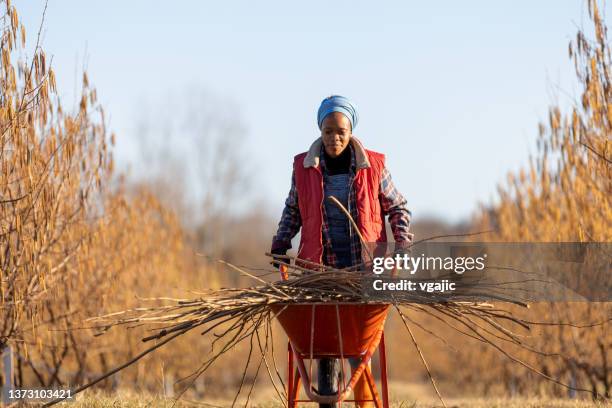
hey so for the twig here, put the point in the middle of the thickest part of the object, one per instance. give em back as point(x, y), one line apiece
point(117, 369)
point(416, 345)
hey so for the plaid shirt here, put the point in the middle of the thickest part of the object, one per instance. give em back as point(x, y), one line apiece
point(392, 202)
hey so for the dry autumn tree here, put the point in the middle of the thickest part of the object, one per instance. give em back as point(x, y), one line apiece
point(70, 245)
point(53, 165)
point(566, 196)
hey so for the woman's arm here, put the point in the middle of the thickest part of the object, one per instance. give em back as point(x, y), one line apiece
point(394, 205)
point(290, 222)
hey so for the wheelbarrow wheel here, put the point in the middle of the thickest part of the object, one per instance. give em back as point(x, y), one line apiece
point(328, 373)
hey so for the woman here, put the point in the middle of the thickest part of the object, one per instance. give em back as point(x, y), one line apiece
point(338, 165)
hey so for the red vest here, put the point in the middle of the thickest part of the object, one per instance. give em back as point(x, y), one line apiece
point(309, 184)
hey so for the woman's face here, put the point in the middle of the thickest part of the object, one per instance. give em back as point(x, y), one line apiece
point(336, 133)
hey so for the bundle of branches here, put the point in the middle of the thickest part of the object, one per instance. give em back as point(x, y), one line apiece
point(304, 285)
point(246, 313)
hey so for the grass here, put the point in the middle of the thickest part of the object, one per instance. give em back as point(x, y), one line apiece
point(127, 399)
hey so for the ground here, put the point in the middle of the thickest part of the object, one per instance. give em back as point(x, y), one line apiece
point(122, 402)
point(128, 399)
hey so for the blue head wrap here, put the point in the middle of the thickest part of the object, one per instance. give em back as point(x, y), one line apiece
point(337, 103)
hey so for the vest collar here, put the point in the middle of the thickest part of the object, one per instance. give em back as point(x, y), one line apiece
point(312, 158)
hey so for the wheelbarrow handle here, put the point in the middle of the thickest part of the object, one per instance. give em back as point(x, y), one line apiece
point(284, 272)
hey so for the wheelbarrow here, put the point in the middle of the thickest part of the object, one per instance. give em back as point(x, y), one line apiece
point(333, 330)
point(351, 330)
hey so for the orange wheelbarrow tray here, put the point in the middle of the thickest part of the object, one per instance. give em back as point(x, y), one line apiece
point(333, 330)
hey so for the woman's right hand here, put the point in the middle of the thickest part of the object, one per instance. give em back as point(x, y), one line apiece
point(276, 260)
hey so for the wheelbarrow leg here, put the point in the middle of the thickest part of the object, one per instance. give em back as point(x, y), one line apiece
point(382, 354)
point(296, 387)
point(370, 380)
point(290, 385)
point(294, 380)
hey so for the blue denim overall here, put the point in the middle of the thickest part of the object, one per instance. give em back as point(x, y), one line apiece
point(339, 234)
point(338, 222)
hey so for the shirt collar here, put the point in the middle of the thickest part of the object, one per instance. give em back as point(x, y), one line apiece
point(322, 158)
point(314, 154)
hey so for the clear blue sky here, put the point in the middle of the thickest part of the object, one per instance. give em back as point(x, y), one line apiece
point(451, 91)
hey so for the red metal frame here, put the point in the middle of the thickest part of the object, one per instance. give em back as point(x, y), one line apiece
point(363, 326)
